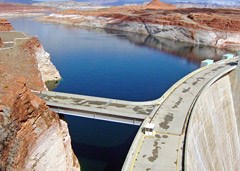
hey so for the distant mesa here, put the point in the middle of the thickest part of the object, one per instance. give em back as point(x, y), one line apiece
point(156, 4)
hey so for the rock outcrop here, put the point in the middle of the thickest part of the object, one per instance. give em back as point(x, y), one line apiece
point(45, 66)
point(5, 25)
point(212, 27)
point(32, 137)
point(156, 4)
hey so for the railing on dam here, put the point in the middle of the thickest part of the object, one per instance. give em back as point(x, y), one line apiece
point(98, 108)
point(165, 149)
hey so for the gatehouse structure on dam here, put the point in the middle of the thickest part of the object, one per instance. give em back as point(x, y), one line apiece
point(193, 125)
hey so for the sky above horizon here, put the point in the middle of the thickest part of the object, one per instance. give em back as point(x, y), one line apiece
point(120, 2)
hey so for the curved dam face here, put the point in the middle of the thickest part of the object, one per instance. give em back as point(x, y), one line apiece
point(213, 132)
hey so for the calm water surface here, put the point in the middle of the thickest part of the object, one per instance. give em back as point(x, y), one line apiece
point(103, 64)
point(115, 65)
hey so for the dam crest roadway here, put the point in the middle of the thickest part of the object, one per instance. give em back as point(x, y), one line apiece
point(168, 116)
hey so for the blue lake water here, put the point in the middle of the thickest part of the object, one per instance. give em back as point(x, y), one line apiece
point(116, 65)
point(98, 63)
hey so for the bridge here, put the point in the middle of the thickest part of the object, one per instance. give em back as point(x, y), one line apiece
point(99, 108)
point(160, 141)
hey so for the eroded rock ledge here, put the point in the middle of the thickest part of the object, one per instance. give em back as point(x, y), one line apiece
point(44, 64)
point(32, 137)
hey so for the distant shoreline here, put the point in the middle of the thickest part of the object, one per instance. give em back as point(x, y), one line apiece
point(215, 27)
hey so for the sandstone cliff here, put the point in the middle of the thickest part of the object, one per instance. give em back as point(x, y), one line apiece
point(31, 136)
point(44, 64)
point(212, 27)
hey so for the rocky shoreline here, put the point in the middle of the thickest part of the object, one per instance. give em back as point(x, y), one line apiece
point(47, 69)
point(32, 137)
point(212, 27)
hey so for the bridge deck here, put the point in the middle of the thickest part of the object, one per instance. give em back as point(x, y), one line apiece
point(102, 108)
point(164, 151)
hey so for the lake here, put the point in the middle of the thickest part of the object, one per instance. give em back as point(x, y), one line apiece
point(112, 64)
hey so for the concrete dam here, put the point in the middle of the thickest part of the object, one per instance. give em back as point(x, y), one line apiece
point(196, 125)
point(193, 126)
point(212, 141)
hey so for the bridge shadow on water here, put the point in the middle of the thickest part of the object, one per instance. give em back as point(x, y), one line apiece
point(100, 145)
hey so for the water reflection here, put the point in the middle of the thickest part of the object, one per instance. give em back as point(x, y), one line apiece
point(191, 52)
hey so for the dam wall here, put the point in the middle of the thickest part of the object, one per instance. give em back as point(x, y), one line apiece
point(235, 83)
point(212, 141)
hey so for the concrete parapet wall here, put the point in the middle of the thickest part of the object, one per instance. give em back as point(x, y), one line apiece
point(212, 138)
